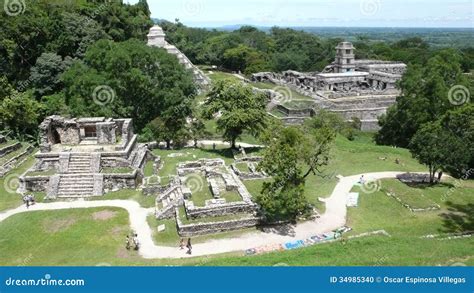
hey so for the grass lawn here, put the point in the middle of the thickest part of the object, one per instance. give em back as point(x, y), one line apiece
point(118, 170)
point(219, 75)
point(65, 237)
point(242, 167)
point(9, 182)
point(74, 237)
point(200, 190)
point(148, 170)
point(231, 196)
point(189, 154)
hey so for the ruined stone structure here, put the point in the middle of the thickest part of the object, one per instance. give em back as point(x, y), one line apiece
point(77, 152)
point(156, 38)
point(353, 88)
point(219, 179)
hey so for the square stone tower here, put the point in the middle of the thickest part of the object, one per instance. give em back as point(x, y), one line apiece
point(156, 37)
point(345, 58)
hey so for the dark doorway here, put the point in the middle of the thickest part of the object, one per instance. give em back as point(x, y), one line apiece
point(56, 137)
point(90, 131)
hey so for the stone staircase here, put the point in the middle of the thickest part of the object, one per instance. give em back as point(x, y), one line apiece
point(76, 185)
point(79, 163)
point(78, 180)
point(168, 201)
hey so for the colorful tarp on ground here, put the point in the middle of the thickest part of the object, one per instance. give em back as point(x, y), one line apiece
point(320, 238)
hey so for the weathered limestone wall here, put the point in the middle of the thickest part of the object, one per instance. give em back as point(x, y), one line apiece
point(106, 133)
point(34, 183)
point(114, 182)
point(9, 148)
point(188, 230)
point(218, 210)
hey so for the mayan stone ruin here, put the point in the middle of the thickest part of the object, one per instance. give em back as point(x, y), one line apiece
point(85, 157)
point(362, 89)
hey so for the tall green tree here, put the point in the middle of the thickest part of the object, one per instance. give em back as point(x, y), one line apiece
point(425, 98)
point(238, 108)
point(134, 80)
point(292, 154)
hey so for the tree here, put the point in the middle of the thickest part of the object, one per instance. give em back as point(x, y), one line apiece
point(292, 154)
point(136, 80)
point(238, 108)
point(459, 123)
point(45, 75)
point(197, 129)
point(161, 130)
point(244, 59)
point(437, 149)
point(425, 98)
point(19, 113)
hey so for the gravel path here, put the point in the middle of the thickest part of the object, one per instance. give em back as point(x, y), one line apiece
point(334, 217)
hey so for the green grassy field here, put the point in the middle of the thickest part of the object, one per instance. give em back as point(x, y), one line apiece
point(73, 237)
point(8, 198)
point(67, 237)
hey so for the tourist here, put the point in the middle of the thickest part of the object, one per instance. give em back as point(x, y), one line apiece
point(189, 246)
point(136, 242)
point(361, 179)
point(181, 244)
point(127, 242)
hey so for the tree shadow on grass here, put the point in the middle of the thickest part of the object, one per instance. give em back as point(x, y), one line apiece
point(459, 219)
point(226, 153)
point(429, 185)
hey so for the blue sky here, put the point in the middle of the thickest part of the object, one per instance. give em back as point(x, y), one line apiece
point(363, 13)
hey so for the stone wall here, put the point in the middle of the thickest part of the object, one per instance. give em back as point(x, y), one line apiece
point(114, 182)
point(189, 230)
point(9, 148)
point(106, 133)
point(15, 161)
point(218, 210)
point(34, 183)
point(295, 112)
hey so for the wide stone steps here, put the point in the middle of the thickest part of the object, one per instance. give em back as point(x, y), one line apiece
point(78, 182)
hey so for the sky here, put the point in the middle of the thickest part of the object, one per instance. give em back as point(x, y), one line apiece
point(341, 13)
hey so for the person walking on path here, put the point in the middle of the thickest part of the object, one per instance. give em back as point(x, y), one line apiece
point(181, 244)
point(136, 242)
point(190, 247)
point(127, 242)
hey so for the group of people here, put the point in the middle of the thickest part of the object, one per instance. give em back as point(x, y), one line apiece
point(188, 245)
point(28, 200)
point(134, 240)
